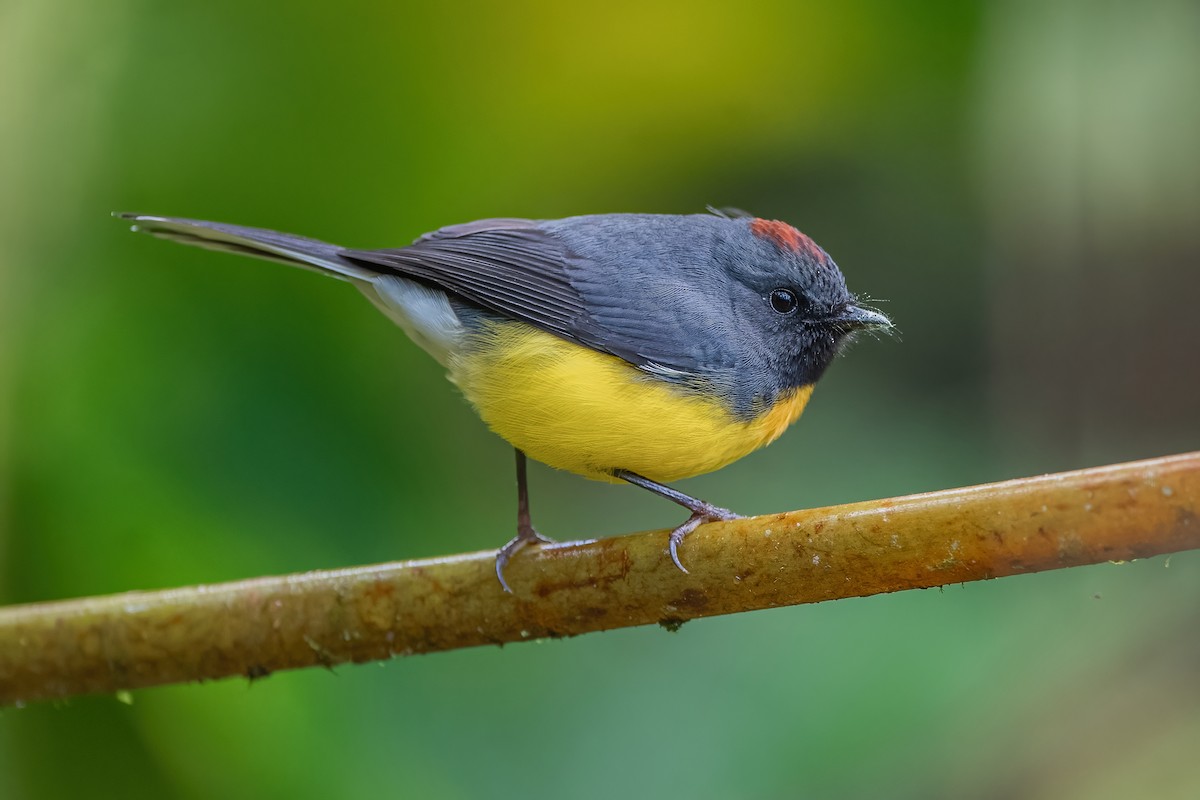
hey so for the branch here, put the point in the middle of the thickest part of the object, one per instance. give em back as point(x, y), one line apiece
point(253, 627)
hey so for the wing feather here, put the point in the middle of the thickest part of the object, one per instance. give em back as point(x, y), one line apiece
point(521, 270)
point(507, 266)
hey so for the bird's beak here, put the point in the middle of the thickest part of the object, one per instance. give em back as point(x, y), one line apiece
point(854, 318)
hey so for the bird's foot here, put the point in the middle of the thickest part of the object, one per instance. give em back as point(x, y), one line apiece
point(525, 535)
point(701, 513)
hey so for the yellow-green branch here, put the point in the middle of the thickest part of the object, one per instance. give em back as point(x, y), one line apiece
point(255, 627)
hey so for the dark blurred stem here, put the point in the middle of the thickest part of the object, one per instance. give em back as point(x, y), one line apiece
point(254, 627)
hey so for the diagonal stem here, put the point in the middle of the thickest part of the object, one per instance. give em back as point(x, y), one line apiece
point(253, 627)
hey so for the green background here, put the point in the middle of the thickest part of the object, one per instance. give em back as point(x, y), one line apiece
point(1020, 182)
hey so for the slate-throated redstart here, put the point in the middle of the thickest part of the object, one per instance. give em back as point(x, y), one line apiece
point(623, 347)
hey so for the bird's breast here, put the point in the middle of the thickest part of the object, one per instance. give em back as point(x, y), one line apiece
point(588, 412)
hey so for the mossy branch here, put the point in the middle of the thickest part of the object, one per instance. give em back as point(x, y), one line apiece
point(254, 627)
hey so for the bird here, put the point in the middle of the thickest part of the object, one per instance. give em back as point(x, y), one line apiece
point(636, 348)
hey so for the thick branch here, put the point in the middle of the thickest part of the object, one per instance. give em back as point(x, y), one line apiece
point(257, 626)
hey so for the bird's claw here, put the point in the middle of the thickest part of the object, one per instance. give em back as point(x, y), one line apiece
point(525, 535)
point(702, 514)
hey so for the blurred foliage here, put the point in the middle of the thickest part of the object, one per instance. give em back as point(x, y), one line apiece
point(1019, 181)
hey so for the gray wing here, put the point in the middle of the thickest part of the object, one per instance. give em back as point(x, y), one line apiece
point(507, 266)
point(639, 287)
point(519, 269)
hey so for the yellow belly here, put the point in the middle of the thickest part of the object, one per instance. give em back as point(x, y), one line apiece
point(587, 412)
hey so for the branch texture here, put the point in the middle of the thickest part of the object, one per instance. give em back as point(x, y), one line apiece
point(255, 627)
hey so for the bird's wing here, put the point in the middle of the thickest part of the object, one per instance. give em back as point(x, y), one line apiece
point(506, 266)
point(519, 270)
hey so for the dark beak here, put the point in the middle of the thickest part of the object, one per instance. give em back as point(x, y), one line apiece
point(853, 318)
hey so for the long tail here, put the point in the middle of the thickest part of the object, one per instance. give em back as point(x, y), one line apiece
point(424, 312)
point(286, 248)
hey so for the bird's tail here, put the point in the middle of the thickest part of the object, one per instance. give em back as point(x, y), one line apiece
point(297, 251)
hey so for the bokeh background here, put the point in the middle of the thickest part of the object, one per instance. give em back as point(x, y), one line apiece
point(1020, 181)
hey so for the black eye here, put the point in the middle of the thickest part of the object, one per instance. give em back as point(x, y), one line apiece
point(784, 301)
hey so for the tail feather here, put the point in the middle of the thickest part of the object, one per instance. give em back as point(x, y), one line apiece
point(286, 248)
point(424, 312)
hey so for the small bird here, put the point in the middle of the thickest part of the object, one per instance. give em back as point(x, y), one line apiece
point(643, 348)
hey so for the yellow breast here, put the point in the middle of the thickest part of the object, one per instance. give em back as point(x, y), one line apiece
point(576, 409)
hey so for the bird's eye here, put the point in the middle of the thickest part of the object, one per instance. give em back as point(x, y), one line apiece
point(784, 301)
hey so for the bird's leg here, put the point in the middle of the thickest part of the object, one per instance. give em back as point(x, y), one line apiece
point(525, 531)
point(702, 512)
